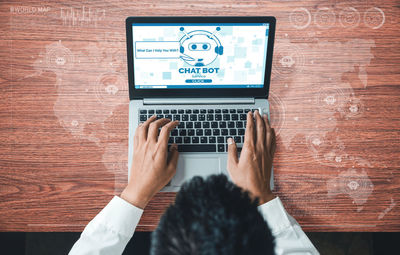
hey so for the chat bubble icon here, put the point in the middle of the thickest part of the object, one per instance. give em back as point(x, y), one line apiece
point(157, 50)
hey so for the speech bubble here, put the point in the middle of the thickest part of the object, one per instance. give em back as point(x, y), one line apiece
point(157, 50)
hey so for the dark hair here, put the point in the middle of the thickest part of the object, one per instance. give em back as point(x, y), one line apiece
point(211, 217)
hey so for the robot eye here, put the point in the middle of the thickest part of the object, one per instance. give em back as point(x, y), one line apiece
point(199, 46)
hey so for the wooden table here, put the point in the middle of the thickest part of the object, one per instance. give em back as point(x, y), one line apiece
point(334, 101)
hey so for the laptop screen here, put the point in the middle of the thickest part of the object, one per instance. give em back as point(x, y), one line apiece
point(199, 55)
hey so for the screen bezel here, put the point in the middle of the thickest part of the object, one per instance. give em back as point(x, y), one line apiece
point(224, 92)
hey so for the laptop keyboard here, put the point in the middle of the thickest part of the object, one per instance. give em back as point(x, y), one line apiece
point(203, 130)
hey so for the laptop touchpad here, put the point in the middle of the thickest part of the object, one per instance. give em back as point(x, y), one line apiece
point(189, 166)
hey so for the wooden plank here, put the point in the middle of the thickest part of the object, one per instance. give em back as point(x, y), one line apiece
point(64, 140)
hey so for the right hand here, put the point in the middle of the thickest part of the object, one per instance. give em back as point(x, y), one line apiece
point(253, 171)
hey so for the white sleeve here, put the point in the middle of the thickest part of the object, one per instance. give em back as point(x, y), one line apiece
point(289, 237)
point(110, 231)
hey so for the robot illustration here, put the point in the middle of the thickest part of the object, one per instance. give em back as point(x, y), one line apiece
point(200, 47)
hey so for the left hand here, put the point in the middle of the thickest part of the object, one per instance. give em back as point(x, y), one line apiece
point(152, 167)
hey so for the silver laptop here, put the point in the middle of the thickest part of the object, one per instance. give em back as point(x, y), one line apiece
point(206, 72)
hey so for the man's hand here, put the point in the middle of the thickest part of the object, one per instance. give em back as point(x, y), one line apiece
point(253, 171)
point(152, 167)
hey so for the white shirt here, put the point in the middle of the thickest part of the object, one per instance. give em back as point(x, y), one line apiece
point(110, 231)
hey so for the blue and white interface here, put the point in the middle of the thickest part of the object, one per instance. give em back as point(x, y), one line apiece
point(194, 55)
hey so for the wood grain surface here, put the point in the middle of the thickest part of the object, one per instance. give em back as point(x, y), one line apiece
point(334, 101)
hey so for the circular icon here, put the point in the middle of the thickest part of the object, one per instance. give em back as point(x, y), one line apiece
point(58, 57)
point(354, 183)
point(349, 17)
point(74, 123)
point(300, 18)
point(315, 142)
point(324, 18)
point(288, 60)
point(330, 98)
point(374, 18)
point(353, 107)
point(110, 89)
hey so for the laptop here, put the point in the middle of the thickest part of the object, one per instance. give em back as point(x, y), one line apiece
point(206, 72)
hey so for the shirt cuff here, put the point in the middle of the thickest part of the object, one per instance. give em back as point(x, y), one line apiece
point(120, 216)
point(275, 215)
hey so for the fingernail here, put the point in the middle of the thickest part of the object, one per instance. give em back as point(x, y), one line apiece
point(140, 123)
point(264, 115)
point(230, 141)
point(173, 147)
point(154, 115)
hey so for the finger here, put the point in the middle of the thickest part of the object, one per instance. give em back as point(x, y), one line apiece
point(153, 129)
point(273, 143)
point(267, 124)
point(136, 137)
point(232, 153)
point(260, 127)
point(173, 158)
point(143, 129)
point(165, 132)
point(249, 134)
point(268, 131)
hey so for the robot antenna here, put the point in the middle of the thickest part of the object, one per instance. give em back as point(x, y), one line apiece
point(183, 30)
point(215, 31)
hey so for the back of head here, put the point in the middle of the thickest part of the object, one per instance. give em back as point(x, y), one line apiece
point(211, 217)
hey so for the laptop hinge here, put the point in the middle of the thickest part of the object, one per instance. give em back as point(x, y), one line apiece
point(169, 101)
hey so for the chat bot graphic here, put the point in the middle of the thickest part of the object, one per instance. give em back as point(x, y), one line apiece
point(200, 47)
